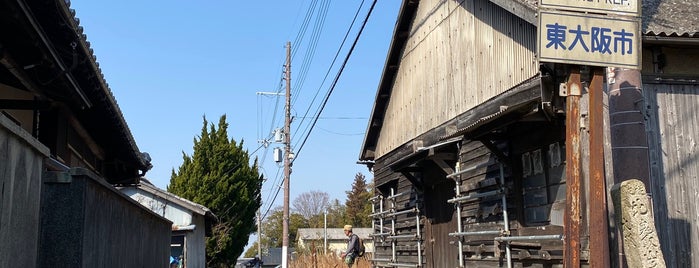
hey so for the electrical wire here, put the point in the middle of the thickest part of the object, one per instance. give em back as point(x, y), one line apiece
point(337, 77)
point(311, 49)
point(304, 25)
point(327, 73)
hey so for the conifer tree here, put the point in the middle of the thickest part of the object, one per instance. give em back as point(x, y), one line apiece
point(358, 205)
point(219, 175)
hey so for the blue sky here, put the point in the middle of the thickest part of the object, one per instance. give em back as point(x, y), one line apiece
point(168, 63)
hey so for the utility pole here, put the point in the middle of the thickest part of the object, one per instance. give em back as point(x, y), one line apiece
point(287, 159)
point(259, 235)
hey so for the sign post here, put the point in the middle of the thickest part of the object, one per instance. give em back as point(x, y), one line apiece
point(603, 33)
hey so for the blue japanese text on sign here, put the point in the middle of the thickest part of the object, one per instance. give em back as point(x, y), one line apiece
point(589, 40)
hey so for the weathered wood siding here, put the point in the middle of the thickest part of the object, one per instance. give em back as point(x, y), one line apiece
point(21, 163)
point(406, 250)
point(458, 54)
point(535, 199)
point(673, 125)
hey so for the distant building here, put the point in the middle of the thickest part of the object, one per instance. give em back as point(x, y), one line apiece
point(191, 222)
point(307, 238)
point(271, 257)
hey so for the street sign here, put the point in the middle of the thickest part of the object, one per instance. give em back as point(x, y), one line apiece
point(625, 7)
point(585, 39)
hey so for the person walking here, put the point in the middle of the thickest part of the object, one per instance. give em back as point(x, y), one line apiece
point(351, 253)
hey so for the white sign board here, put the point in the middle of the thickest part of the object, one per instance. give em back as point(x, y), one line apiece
point(585, 39)
point(625, 7)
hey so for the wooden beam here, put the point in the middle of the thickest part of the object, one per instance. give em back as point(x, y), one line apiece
point(9, 104)
point(443, 165)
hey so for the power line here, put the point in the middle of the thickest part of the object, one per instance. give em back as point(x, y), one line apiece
point(327, 73)
point(304, 25)
point(342, 134)
point(337, 77)
point(311, 48)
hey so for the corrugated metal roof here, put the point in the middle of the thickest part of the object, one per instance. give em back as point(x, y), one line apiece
point(194, 207)
point(673, 18)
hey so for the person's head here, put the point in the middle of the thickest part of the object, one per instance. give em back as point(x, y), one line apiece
point(347, 229)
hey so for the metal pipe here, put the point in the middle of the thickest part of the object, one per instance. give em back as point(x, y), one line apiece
point(381, 234)
point(394, 196)
point(599, 237)
point(498, 232)
point(379, 213)
point(468, 169)
point(402, 212)
point(372, 216)
point(411, 236)
point(372, 199)
point(528, 237)
point(419, 243)
point(459, 228)
point(403, 264)
point(505, 218)
point(380, 260)
point(474, 196)
point(325, 231)
point(571, 221)
point(381, 218)
point(393, 227)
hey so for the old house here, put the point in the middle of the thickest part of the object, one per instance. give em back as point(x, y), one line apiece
point(64, 143)
point(191, 222)
point(309, 238)
point(478, 158)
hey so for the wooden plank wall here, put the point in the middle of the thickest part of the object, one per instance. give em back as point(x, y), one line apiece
point(21, 165)
point(534, 204)
point(458, 54)
point(405, 224)
point(673, 126)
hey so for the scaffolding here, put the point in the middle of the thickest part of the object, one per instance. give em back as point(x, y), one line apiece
point(501, 235)
point(392, 213)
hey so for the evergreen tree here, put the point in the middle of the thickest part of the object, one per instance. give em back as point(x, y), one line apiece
point(358, 205)
point(272, 229)
point(219, 176)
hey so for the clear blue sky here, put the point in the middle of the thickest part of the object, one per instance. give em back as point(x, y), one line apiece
point(168, 63)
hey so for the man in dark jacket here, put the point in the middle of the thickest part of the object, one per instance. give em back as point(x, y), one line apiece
point(351, 251)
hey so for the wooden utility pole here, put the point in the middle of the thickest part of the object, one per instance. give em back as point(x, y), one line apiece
point(287, 159)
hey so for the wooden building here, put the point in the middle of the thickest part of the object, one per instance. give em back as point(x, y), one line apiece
point(469, 141)
point(64, 143)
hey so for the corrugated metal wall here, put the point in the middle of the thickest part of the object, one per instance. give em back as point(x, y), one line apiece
point(458, 54)
point(21, 162)
point(673, 125)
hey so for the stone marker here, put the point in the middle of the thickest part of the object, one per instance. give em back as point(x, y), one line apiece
point(633, 214)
